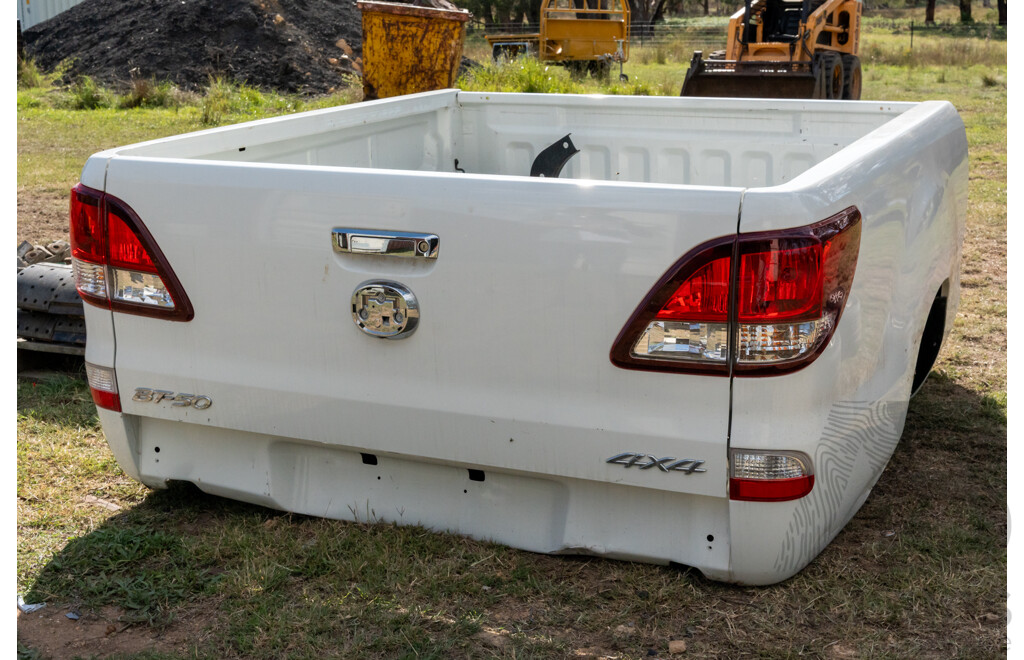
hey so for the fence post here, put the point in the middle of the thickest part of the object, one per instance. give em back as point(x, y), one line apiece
point(911, 35)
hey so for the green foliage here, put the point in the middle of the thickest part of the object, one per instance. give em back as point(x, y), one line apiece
point(524, 74)
point(637, 87)
point(29, 75)
point(990, 80)
point(223, 99)
point(216, 101)
point(87, 95)
point(148, 93)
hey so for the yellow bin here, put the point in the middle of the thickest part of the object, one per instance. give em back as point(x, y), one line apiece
point(409, 49)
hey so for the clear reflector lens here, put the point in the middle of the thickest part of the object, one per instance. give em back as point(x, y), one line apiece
point(781, 341)
point(760, 465)
point(678, 340)
point(103, 387)
point(90, 279)
point(141, 288)
point(100, 378)
point(777, 476)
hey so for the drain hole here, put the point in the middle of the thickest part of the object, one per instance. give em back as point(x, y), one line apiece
point(476, 475)
point(369, 459)
point(156, 449)
point(711, 537)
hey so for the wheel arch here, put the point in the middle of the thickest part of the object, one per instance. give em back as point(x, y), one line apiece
point(931, 337)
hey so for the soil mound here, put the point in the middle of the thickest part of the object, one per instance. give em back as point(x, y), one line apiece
point(303, 46)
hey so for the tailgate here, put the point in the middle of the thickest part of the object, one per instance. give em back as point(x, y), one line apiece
point(509, 365)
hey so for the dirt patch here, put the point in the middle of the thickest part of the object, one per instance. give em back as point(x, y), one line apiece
point(42, 217)
point(102, 633)
point(305, 46)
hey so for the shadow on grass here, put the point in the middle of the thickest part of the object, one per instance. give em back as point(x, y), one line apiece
point(265, 583)
point(138, 559)
point(941, 501)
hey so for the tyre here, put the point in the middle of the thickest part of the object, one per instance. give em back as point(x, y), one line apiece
point(832, 69)
point(599, 69)
point(851, 77)
point(931, 342)
point(577, 69)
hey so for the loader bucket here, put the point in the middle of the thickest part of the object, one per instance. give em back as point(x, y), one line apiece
point(779, 80)
point(408, 49)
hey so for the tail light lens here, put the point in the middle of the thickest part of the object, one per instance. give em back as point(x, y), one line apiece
point(758, 476)
point(103, 386)
point(750, 304)
point(117, 263)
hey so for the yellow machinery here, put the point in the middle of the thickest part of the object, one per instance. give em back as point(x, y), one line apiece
point(784, 49)
point(583, 35)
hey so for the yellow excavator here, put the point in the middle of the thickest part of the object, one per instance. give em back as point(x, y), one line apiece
point(804, 49)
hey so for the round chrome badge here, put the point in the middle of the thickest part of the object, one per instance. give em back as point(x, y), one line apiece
point(382, 308)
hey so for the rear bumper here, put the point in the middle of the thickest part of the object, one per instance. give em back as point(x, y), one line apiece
point(538, 513)
point(752, 543)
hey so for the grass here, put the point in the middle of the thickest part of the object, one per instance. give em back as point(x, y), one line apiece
point(920, 571)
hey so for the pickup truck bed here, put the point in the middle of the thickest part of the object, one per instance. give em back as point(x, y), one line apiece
point(523, 408)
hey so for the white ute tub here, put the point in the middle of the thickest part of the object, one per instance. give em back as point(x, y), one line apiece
point(373, 312)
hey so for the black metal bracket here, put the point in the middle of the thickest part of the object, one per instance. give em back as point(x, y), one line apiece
point(549, 163)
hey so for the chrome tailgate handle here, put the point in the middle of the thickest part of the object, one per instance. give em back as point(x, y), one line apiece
point(385, 243)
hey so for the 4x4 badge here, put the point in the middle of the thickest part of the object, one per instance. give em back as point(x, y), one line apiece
point(666, 464)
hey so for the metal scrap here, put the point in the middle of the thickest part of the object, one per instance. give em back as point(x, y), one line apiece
point(29, 608)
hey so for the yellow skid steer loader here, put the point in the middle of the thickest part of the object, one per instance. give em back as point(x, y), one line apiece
point(804, 49)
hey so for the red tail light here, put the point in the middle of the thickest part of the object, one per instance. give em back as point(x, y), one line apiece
point(704, 296)
point(86, 225)
point(747, 304)
point(117, 263)
point(126, 250)
point(779, 490)
point(779, 283)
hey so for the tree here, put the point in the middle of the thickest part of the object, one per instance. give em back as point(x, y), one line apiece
point(929, 13)
point(965, 11)
point(643, 14)
point(1002, 11)
point(503, 11)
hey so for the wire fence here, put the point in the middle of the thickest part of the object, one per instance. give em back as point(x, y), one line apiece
point(955, 31)
point(657, 35)
point(676, 38)
point(708, 36)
